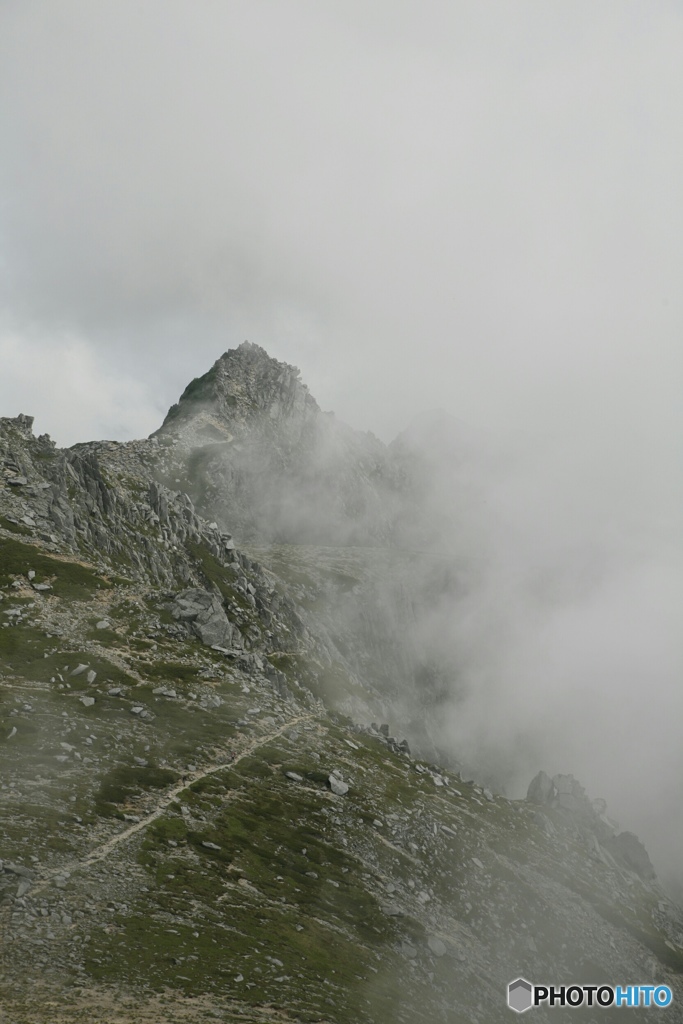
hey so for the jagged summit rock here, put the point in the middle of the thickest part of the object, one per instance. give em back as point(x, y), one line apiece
point(249, 440)
point(245, 389)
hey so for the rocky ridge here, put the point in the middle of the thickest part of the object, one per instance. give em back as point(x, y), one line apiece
point(251, 445)
point(201, 809)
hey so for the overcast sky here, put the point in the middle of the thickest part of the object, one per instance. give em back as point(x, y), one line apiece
point(474, 206)
point(466, 205)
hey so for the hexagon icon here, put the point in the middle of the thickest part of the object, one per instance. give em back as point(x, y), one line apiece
point(520, 995)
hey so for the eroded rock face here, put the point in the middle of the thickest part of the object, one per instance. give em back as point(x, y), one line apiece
point(541, 789)
point(205, 617)
point(564, 793)
point(628, 849)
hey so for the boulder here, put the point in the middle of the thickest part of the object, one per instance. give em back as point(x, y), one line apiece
point(541, 789)
point(628, 849)
point(337, 786)
point(204, 615)
point(436, 946)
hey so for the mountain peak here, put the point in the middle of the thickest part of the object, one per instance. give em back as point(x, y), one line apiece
point(244, 388)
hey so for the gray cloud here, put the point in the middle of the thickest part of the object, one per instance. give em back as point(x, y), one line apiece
point(490, 192)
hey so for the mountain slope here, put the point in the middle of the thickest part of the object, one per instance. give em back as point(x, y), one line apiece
point(199, 820)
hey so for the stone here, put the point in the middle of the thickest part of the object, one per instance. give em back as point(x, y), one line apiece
point(337, 786)
point(294, 777)
point(102, 624)
point(17, 481)
point(79, 670)
point(566, 785)
point(568, 802)
point(41, 586)
point(437, 947)
point(18, 869)
point(210, 846)
point(87, 701)
point(541, 789)
point(204, 615)
point(628, 849)
point(91, 676)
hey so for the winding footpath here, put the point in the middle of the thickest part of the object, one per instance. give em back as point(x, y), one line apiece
point(105, 849)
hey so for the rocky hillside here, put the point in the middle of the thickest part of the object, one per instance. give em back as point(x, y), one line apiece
point(204, 814)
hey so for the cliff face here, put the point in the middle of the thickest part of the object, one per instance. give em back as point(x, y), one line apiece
point(199, 818)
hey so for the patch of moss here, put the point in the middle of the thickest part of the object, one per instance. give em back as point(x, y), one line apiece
point(28, 653)
point(197, 391)
point(68, 579)
point(167, 671)
point(126, 781)
point(106, 637)
point(24, 651)
point(7, 524)
point(331, 683)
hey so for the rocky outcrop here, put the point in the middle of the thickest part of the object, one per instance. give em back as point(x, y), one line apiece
point(564, 794)
point(244, 391)
point(628, 850)
point(541, 790)
point(205, 617)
